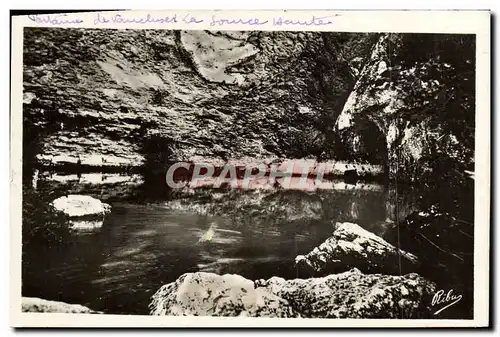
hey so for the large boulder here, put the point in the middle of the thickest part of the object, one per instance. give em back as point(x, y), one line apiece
point(347, 295)
point(353, 294)
point(352, 246)
point(86, 213)
point(77, 206)
point(33, 304)
point(207, 294)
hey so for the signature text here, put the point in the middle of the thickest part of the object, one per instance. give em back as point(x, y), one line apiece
point(447, 299)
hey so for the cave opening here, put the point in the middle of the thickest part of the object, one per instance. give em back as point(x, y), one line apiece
point(366, 144)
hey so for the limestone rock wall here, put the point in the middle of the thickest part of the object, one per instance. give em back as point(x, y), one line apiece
point(118, 97)
point(416, 95)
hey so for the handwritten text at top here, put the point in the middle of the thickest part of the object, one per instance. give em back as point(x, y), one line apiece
point(149, 18)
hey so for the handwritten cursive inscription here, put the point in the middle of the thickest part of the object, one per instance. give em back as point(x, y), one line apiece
point(441, 298)
point(314, 21)
point(216, 21)
point(57, 19)
point(191, 19)
point(148, 18)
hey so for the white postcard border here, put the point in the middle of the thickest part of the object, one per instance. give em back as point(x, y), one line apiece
point(466, 22)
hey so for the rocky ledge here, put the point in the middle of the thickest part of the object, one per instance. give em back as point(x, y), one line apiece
point(33, 304)
point(352, 246)
point(351, 294)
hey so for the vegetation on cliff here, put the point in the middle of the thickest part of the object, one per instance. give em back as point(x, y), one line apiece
point(42, 223)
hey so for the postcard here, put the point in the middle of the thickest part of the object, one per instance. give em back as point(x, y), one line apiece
point(250, 169)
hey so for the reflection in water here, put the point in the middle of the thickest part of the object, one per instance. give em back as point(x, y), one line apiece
point(104, 186)
point(256, 234)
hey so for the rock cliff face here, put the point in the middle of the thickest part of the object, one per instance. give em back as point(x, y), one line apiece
point(347, 295)
point(125, 97)
point(132, 97)
point(415, 98)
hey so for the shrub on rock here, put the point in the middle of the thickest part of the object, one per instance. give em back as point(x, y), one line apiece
point(42, 223)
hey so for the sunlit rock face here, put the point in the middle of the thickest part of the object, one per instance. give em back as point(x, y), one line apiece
point(109, 97)
point(33, 304)
point(352, 246)
point(347, 295)
point(214, 54)
point(415, 98)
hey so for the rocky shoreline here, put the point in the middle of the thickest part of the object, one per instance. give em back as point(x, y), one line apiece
point(351, 293)
point(348, 294)
point(354, 273)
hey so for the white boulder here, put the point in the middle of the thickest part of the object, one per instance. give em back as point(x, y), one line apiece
point(351, 246)
point(207, 294)
point(81, 206)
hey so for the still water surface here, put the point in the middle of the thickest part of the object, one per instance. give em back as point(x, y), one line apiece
point(140, 247)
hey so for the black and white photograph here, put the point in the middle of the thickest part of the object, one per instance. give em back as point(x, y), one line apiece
point(285, 173)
